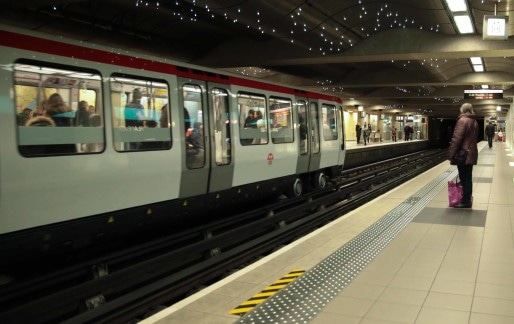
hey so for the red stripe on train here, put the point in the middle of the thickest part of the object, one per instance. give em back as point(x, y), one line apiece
point(31, 43)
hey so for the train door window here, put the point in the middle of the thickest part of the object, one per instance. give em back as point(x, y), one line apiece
point(252, 119)
point(193, 125)
point(302, 126)
point(222, 136)
point(329, 118)
point(56, 96)
point(281, 120)
point(139, 113)
point(314, 123)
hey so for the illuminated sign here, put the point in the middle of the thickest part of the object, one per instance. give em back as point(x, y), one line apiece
point(483, 94)
point(495, 28)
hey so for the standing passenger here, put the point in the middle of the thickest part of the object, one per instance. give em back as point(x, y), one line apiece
point(134, 115)
point(393, 134)
point(134, 110)
point(358, 130)
point(465, 137)
point(365, 134)
point(489, 131)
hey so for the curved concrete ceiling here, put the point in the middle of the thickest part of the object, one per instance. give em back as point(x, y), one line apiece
point(401, 55)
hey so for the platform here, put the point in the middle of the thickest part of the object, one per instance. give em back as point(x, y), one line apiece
point(405, 257)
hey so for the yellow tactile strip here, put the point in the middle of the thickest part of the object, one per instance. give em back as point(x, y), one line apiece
point(266, 293)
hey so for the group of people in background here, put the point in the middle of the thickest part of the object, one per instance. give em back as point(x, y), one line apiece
point(366, 132)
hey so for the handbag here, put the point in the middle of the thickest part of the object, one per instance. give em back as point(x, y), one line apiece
point(460, 157)
point(454, 193)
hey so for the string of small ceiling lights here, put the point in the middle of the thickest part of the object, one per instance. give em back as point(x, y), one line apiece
point(336, 32)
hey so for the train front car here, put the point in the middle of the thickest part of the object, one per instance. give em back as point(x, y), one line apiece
point(101, 148)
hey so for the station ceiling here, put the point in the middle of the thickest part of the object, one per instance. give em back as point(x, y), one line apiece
point(398, 56)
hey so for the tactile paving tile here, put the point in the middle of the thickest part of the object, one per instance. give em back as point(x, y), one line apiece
point(302, 300)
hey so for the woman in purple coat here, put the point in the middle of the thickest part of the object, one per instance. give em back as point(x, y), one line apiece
point(465, 137)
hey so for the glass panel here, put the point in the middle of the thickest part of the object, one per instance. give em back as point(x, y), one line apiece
point(140, 114)
point(302, 126)
point(329, 115)
point(222, 137)
point(281, 120)
point(52, 110)
point(315, 128)
point(252, 119)
point(193, 121)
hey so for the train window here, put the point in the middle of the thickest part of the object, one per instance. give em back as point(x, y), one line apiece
point(63, 99)
point(252, 119)
point(329, 114)
point(222, 139)
point(140, 113)
point(314, 127)
point(281, 118)
point(193, 125)
point(302, 126)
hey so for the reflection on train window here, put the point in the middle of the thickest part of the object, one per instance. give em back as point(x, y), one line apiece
point(252, 119)
point(301, 107)
point(193, 125)
point(222, 139)
point(53, 111)
point(329, 115)
point(315, 127)
point(139, 113)
point(281, 118)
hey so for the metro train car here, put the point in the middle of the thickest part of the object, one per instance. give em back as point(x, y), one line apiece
point(98, 142)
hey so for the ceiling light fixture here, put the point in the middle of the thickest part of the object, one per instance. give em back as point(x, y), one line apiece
point(457, 5)
point(477, 63)
point(463, 22)
point(461, 17)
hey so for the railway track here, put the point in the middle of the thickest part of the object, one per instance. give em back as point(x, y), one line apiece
point(130, 284)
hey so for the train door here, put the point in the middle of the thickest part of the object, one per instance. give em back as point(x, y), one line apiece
point(314, 134)
point(196, 146)
point(303, 126)
point(220, 137)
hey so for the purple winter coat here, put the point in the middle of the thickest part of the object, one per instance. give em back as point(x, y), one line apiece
point(465, 136)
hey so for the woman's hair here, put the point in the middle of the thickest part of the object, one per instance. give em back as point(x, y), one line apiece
point(466, 108)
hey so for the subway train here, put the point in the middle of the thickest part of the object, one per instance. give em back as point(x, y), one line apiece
point(99, 143)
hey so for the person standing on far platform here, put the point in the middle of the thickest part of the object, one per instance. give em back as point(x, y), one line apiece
point(365, 134)
point(393, 133)
point(489, 131)
point(358, 131)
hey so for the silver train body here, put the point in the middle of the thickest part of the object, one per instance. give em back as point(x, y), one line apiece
point(124, 157)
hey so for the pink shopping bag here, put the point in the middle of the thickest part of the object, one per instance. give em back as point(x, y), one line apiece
point(454, 193)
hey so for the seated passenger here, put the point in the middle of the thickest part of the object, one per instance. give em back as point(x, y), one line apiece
point(194, 140)
point(82, 114)
point(57, 109)
point(26, 114)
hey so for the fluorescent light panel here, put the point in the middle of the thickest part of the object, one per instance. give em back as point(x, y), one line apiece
point(476, 60)
point(478, 67)
point(463, 23)
point(485, 86)
point(457, 5)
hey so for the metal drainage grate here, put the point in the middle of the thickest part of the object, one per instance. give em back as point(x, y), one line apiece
point(302, 300)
